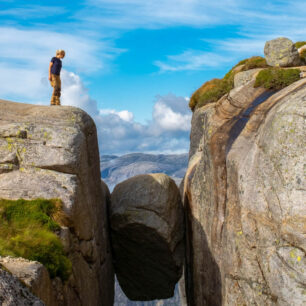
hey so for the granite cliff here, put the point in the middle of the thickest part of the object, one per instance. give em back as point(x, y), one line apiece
point(51, 152)
point(244, 194)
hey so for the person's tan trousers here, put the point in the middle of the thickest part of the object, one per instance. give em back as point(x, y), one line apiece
point(56, 84)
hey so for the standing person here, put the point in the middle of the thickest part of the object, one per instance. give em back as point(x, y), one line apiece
point(54, 76)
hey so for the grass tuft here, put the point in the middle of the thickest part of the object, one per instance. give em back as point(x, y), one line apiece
point(214, 89)
point(276, 78)
point(27, 230)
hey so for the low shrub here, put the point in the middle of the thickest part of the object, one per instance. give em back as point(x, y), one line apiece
point(253, 62)
point(27, 230)
point(209, 92)
point(213, 90)
point(300, 44)
point(276, 78)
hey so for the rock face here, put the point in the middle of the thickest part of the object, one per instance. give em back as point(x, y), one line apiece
point(147, 236)
point(243, 77)
point(281, 52)
point(52, 152)
point(244, 194)
point(13, 293)
point(34, 275)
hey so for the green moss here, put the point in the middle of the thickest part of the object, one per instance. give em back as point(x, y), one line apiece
point(27, 230)
point(214, 89)
point(300, 44)
point(276, 78)
point(253, 62)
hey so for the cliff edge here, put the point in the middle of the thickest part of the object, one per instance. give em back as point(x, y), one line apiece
point(52, 153)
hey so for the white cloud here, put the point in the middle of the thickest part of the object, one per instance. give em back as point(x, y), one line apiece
point(33, 49)
point(192, 60)
point(130, 14)
point(25, 55)
point(171, 113)
point(118, 133)
point(33, 11)
point(167, 132)
point(124, 115)
point(74, 93)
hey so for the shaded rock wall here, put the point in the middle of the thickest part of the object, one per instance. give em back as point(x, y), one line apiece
point(52, 152)
point(243, 197)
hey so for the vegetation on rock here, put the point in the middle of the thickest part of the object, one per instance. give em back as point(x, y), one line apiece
point(214, 89)
point(300, 44)
point(276, 78)
point(252, 62)
point(27, 230)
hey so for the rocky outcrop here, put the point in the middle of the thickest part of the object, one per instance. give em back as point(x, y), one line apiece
point(243, 77)
point(281, 52)
point(34, 275)
point(146, 218)
point(13, 292)
point(52, 152)
point(243, 195)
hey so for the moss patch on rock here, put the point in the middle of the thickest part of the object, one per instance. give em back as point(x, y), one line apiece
point(214, 89)
point(276, 78)
point(253, 62)
point(27, 229)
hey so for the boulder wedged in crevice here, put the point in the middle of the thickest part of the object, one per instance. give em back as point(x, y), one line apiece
point(147, 226)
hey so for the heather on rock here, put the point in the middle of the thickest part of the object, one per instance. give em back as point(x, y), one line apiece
point(214, 89)
point(299, 44)
point(276, 78)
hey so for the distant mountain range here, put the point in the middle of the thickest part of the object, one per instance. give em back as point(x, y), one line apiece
point(115, 169)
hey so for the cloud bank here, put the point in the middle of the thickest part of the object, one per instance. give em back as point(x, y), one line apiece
point(118, 132)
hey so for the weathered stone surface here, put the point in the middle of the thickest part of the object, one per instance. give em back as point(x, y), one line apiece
point(265, 231)
point(281, 52)
point(147, 236)
point(52, 152)
point(34, 275)
point(243, 193)
point(243, 77)
point(13, 292)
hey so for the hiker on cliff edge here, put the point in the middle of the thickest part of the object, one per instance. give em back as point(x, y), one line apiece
point(54, 76)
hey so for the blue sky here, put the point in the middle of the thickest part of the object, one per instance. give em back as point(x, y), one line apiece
point(133, 64)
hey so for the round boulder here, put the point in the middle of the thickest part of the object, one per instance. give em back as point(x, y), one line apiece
point(147, 224)
point(281, 52)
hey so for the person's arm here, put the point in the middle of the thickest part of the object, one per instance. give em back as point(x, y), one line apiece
point(51, 64)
